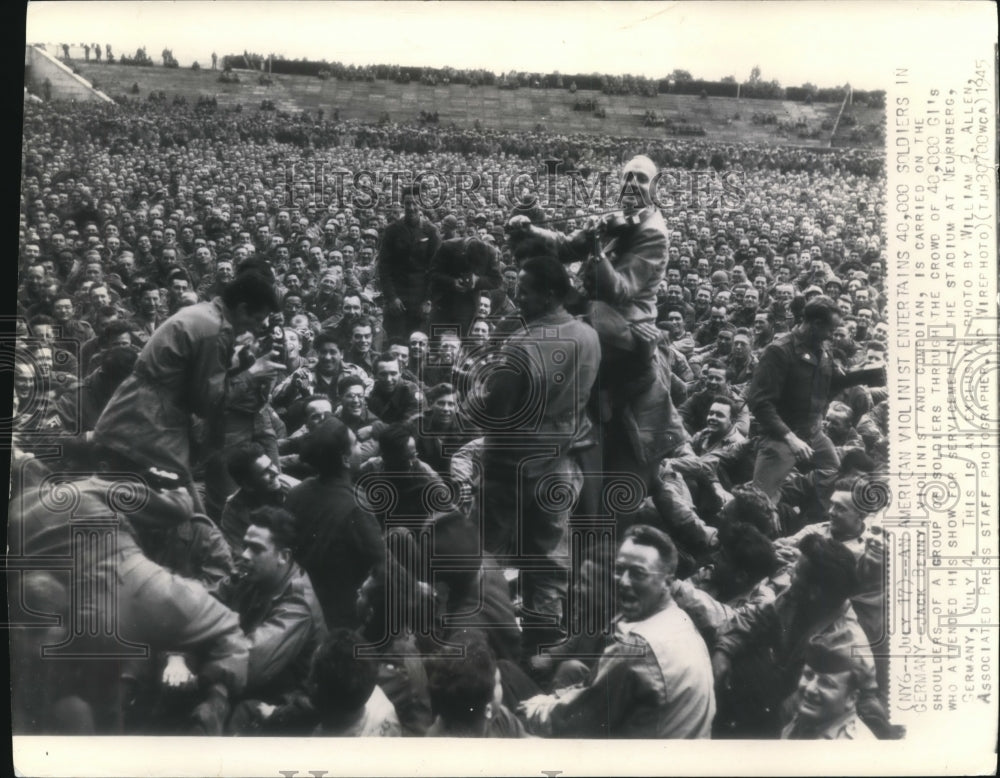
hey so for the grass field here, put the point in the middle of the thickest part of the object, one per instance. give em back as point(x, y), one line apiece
point(723, 119)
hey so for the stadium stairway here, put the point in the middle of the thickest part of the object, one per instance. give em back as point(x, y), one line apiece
point(40, 65)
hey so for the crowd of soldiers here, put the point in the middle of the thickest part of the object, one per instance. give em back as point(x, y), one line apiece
point(426, 466)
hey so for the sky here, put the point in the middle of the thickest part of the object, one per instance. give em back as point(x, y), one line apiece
point(825, 43)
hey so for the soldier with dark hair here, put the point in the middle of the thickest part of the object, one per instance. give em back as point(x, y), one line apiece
point(461, 271)
point(360, 351)
point(337, 540)
point(81, 410)
point(442, 428)
point(182, 371)
point(794, 381)
point(758, 657)
point(344, 693)
point(465, 693)
point(404, 263)
point(278, 611)
point(393, 398)
point(539, 405)
point(734, 580)
point(259, 483)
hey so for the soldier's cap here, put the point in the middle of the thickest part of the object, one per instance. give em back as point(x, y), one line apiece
point(830, 652)
point(154, 477)
point(115, 282)
point(812, 290)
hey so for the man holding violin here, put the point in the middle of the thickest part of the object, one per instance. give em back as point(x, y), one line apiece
point(625, 260)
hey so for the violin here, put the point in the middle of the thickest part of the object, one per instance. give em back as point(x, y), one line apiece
point(613, 225)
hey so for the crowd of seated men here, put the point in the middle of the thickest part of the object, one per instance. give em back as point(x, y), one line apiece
point(293, 577)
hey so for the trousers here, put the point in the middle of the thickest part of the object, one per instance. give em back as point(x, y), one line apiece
point(775, 462)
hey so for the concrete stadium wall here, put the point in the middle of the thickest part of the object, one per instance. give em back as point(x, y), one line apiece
point(66, 85)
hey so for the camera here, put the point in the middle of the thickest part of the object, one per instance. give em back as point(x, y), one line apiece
point(273, 343)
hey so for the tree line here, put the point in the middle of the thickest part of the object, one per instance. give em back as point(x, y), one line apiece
point(678, 82)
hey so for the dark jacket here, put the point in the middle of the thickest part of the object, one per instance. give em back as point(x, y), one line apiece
point(486, 604)
point(338, 543)
point(436, 444)
point(767, 644)
point(284, 627)
point(459, 258)
point(79, 411)
point(194, 549)
point(404, 261)
point(416, 491)
point(793, 385)
point(398, 404)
